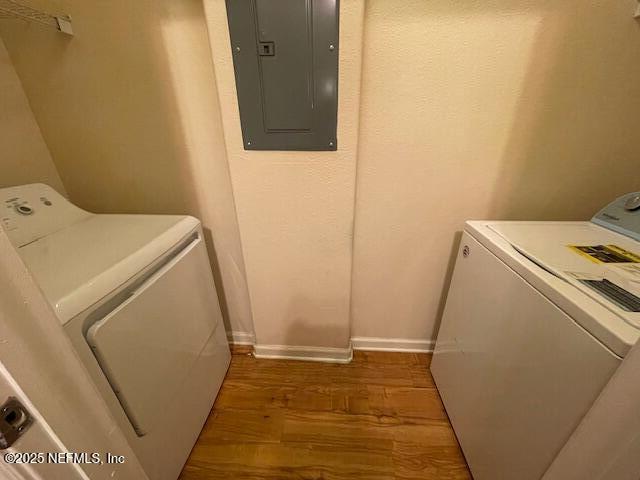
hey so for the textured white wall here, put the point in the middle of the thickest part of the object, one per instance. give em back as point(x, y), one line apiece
point(505, 109)
point(295, 209)
point(130, 111)
point(495, 109)
point(25, 157)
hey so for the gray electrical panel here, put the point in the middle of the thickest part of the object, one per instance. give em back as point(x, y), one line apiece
point(285, 56)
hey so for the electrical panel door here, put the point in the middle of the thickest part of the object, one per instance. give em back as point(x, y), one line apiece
point(285, 56)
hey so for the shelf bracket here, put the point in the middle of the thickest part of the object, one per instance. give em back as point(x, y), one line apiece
point(10, 9)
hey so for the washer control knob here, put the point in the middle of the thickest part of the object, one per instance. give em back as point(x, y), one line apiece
point(24, 209)
point(633, 202)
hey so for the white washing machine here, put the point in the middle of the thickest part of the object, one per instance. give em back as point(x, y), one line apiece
point(136, 296)
point(538, 317)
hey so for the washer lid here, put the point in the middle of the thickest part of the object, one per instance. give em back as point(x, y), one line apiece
point(602, 264)
point(79, 265)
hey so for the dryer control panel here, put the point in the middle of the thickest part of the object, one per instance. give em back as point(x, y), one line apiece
point(29, 212)
point(622, 215)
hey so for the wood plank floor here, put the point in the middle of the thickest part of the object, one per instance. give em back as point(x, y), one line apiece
point(379, 417)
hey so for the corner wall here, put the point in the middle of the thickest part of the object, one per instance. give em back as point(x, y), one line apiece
point(500, 109)
point(129, 109)
point(25, 157)
point(295, 209)
point(504, 109)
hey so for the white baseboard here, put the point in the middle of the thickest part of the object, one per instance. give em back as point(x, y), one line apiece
point(328, 354)
point(313, 354)
point(241, 338)
point(392, 344)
